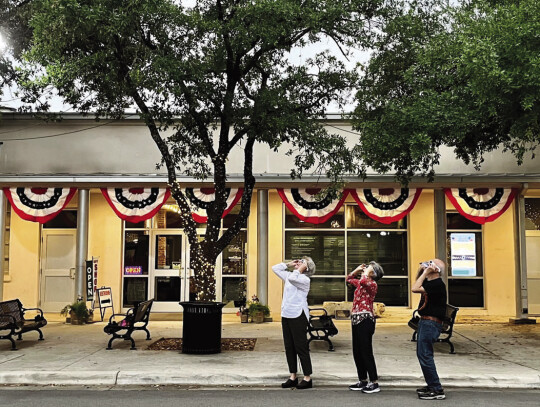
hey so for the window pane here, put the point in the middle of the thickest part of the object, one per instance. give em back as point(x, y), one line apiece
point(135, 289)
point(532, 213)
point(327, 249)
point(230, 218)
point(233, 289)
point(136, 250)
point(64, 220)
point(391, 291)
point(167, 289)
point(464, 257)
point(389, 249)
point(235, 255)
point(168, 252)
point(466, 292)
point(357, 219)
point(326, 289)
point(455, 220)
point(139, 225)
point(335, 222)
point(168, 217)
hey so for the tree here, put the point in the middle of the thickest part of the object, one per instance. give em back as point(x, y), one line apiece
point(205, 79)
point(466, 77)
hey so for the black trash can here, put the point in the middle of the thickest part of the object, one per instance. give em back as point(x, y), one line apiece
point(202, 327)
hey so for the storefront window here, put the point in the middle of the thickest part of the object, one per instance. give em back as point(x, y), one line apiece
point(464, 259)
point(532, 213)
point(136, 252)
point(66, 219)
point(135, 290)
point(337, 251)
point(335, 222)
point(234, 269)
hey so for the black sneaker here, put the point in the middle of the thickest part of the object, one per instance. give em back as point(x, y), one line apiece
point(305, 385)
point(424, 389)
point(432, 394)
point(289, 383)
point(358, 386)
point(371, 388)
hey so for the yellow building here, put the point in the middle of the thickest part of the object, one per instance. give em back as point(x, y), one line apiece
point(493, 267)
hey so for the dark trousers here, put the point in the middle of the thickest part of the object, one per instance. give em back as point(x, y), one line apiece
point(428, 333)
point(296, 343)
point(362, 336)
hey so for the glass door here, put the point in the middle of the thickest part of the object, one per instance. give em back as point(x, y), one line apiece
point(169, 279)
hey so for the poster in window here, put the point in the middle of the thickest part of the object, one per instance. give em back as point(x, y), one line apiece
point(463, 254)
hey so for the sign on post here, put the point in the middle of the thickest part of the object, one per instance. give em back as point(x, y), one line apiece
point(104, 300)
point(91, 278)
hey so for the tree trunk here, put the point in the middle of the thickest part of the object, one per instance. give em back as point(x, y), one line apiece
point(203, 282)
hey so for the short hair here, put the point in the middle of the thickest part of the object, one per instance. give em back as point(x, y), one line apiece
point(377, 270)
point(310, 266)
point(441, 264)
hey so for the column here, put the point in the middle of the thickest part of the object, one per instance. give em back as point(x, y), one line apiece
point(3, 208)
point(82, 244)
point(262, 245)
point(440, 230)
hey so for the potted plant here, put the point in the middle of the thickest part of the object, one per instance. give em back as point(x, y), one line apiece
point(258, 311)
point(78, 313)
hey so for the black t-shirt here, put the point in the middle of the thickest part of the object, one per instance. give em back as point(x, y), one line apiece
point(436, 302)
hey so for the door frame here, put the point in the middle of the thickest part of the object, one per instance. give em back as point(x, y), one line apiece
point(42, 257)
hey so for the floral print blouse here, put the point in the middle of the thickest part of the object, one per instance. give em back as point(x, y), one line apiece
point(364, 295)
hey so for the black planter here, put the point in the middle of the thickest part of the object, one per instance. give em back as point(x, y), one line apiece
point(202, 327)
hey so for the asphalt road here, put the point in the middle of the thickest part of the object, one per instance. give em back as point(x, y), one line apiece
point(223, 397)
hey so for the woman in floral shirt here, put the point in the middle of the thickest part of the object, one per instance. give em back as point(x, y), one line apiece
point(364, 278)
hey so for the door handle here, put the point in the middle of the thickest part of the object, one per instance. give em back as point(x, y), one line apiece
point(72, 273)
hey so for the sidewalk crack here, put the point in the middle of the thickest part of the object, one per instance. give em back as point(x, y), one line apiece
point(81, 358)
point(13, 358)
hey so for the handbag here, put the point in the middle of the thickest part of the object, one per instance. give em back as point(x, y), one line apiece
point(413, 322)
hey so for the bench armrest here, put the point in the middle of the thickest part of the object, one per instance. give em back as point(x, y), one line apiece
point(116, 315)
point(318, 309)
point(40, 312)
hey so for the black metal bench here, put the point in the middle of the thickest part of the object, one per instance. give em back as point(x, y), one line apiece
point(13, 321)
point(135, 319)
point(447, 329)
point(321, 327)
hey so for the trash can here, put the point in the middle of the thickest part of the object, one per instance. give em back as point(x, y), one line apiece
point(202, 327)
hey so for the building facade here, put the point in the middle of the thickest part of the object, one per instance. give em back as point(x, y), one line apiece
point(493, 260)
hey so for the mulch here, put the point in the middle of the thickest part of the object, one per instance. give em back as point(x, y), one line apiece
point(226, 344)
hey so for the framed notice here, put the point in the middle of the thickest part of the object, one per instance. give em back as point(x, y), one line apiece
point(463, 254)
point(104, 300)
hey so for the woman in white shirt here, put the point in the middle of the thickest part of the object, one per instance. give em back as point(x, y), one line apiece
point(294, 318)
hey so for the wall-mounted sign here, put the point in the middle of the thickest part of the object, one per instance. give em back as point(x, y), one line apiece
point(463, 254)
point(91, 278)
point(133, 270)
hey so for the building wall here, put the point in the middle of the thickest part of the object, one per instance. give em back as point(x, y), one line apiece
point(105, 242)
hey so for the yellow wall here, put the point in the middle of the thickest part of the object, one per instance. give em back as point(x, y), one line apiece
point(275, 251)
point(421, 237)
point(23, 262)
point(105, 242)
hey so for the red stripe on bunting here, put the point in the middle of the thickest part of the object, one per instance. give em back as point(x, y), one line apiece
point(480, 216)
point(36, 214)
point(315, 216)
point(197, 213)
point(394, 215)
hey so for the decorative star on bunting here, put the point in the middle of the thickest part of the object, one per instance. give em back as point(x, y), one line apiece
point(136, 204)
point(481, 205)
point(38, 204)
point(305, 204)
point(386, 205)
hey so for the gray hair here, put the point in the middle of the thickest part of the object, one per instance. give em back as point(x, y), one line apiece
point(377, 270)
point(310, 266)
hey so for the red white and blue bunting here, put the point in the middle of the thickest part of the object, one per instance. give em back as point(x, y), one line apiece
point(38, 204)
point(199, 200)
point(307, 206)
point(386, 205)
point(136, 204)
point(481, 205)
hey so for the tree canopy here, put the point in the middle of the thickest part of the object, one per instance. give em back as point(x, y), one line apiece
point(206, 79)
point(467, 77)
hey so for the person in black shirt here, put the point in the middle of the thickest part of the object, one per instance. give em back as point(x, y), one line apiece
point(432, 310)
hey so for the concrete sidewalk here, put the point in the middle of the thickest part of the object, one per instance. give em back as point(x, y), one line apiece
point(488, 355)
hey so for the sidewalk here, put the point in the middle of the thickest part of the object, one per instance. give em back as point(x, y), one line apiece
point(488, 355)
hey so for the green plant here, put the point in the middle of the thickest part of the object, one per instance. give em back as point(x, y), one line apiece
point(78, 308)
point(256, 307)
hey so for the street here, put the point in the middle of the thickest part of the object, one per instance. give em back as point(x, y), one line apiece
point(191, 396)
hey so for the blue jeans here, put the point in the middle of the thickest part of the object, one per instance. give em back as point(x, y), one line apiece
point(428, 333)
